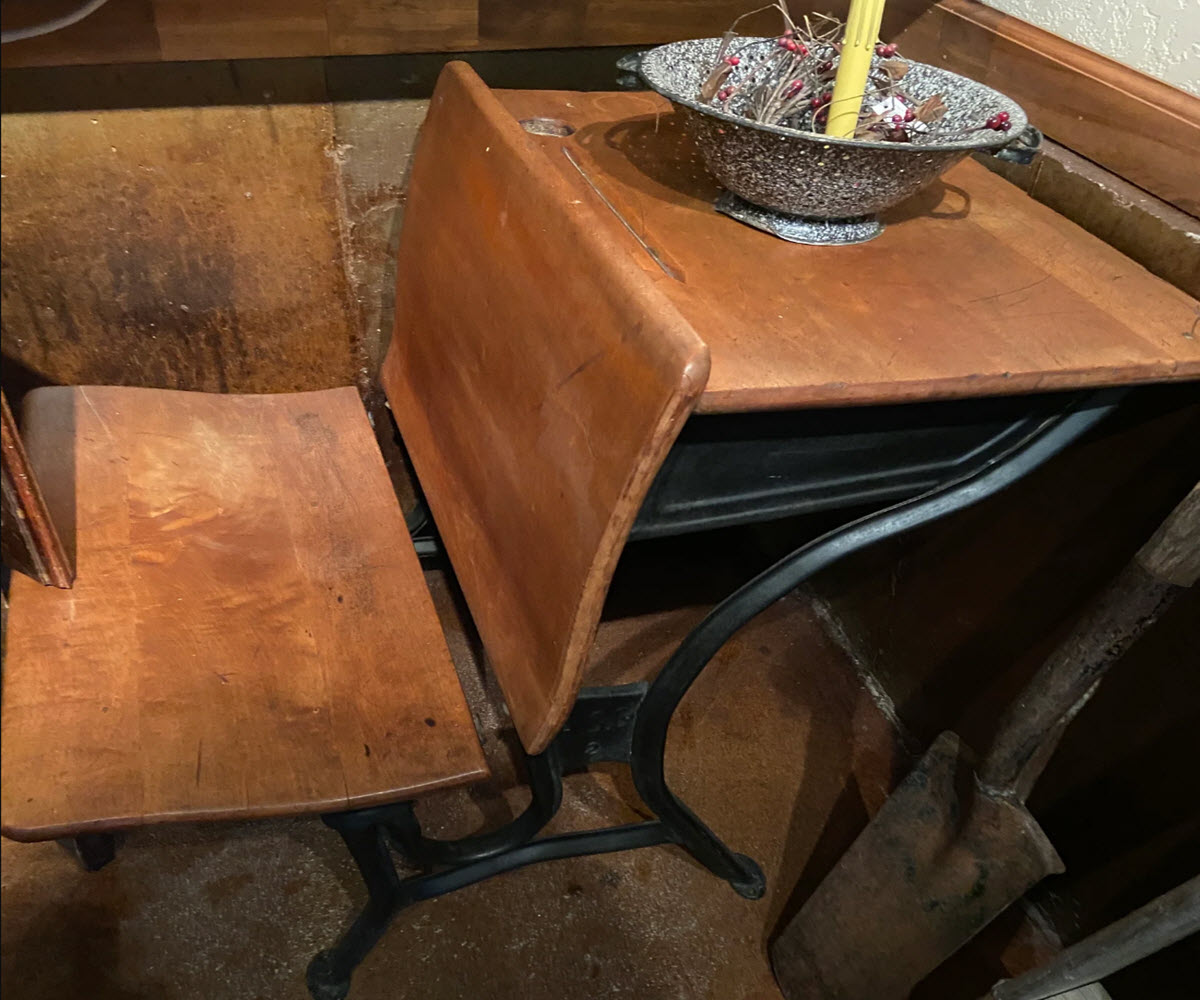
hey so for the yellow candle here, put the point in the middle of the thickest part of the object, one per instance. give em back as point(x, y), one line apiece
point(862, 32)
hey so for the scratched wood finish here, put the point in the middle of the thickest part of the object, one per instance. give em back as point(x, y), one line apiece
point(538, 378)
point(973, 289)
point(1138, 127)
point(193, 248)
point(249, 633)
point(30, 542)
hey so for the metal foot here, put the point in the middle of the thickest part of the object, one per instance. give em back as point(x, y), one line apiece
point(92, 850)
point(753, 884)
point(323, 981)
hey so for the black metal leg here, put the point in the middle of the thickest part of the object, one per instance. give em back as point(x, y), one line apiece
point(650, 734)
point(329, 972)
point(629, 724)
point(95, 850)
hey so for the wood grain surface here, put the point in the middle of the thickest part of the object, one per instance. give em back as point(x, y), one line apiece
point(538, 377)
point(179, 248)
point(31, 544)
point(249, 633)
point(973, 289)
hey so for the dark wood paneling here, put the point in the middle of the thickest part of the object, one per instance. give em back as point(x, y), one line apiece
point(120, 31)
point(147, 30)
point(193, 249)
point(368, 27)
point(248, 29)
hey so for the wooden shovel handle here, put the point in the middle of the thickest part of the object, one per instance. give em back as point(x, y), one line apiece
point(1163, 567)
point(1173, 553)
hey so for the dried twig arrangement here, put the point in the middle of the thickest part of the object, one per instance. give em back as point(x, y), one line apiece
point(790, 83)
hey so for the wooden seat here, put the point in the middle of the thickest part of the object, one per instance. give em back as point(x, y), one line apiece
point(249, 633)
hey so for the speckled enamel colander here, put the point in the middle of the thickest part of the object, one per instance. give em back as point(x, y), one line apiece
point(812, 188)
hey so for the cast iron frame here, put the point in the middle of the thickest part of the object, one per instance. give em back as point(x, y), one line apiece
point(629, 725)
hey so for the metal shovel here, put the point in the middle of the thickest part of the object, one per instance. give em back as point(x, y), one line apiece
point(954, 845)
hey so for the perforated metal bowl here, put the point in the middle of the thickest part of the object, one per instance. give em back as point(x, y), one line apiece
point(814, 176)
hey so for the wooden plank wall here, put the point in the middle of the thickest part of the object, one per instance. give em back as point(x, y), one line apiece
point(142, 30)
point(173, 30)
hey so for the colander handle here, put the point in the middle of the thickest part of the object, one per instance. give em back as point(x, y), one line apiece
point(1021, 148)
point(629, 71)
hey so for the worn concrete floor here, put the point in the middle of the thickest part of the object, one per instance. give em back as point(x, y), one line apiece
point(777, 746)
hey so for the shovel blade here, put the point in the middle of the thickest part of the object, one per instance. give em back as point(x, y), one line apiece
point(937, 863)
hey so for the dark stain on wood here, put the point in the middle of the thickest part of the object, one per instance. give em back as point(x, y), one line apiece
point(184, 248)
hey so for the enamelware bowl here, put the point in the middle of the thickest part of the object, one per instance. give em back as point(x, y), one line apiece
point(813, 188)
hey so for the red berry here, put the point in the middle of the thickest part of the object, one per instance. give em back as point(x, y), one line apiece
point(815, 102)
point(1005, 126)
point(826, 67)
point(898, 119)
point(732, 60)
point(1001, 116)
point(992, 122)
point(802, 49)
point(909, 115)
point(887, 51)
point(723, 95)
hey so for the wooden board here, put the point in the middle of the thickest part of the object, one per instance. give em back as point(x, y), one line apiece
point(1138, 127)
point(30, 542)
point(249, 633)
point(182, 248)
point(367, 27)
point(120, 31)
point(538, 378)
point(973, 289)
point(249, 29)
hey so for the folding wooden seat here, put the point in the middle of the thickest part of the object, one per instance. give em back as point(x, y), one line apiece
point(249, 633)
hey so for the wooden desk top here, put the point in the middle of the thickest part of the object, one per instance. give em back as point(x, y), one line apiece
point(973, 289)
